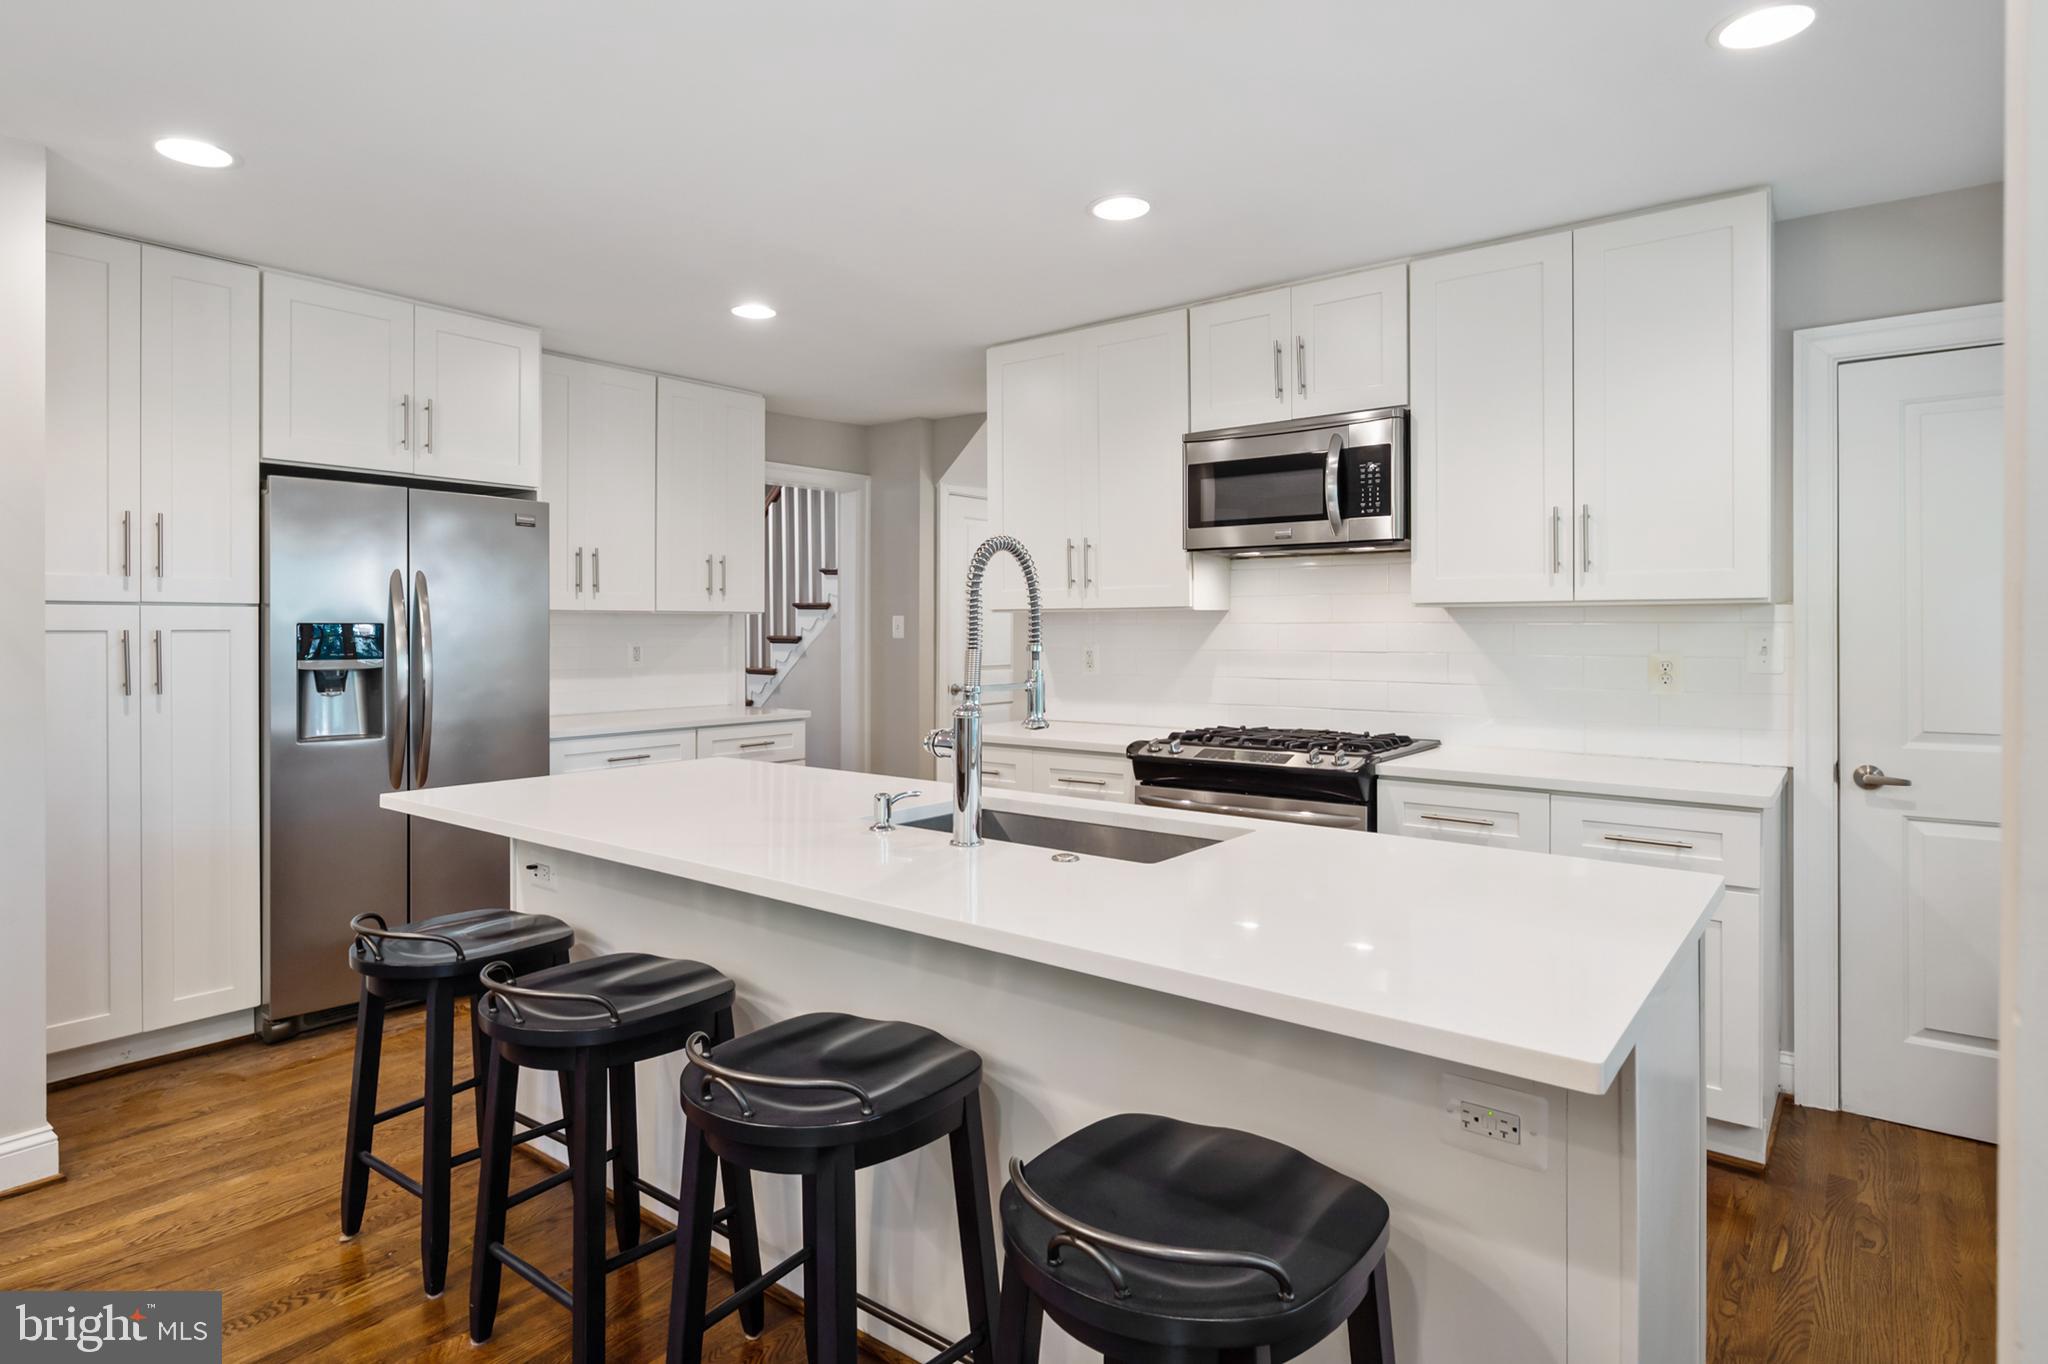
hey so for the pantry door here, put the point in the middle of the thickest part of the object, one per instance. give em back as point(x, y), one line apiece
point(1921, 456)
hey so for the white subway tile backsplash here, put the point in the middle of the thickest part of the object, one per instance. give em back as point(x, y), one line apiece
point(684, 661)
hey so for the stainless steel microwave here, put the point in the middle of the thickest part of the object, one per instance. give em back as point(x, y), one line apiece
point(1320, 485)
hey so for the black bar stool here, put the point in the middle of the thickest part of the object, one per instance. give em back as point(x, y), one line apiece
point(436, 961)
point(821, 1096)
point(590, 1021)
point(1190, 1244)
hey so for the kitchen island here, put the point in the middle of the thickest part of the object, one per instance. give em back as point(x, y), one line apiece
point(1369, 1000)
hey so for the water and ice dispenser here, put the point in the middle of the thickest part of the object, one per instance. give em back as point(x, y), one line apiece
point(341, 681)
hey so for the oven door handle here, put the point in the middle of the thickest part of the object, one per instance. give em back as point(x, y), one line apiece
point(1331, 464)
point(1207, 807)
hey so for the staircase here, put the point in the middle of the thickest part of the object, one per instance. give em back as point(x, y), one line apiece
point(803, 585)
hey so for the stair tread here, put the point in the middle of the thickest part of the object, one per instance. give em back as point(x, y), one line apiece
point(813, 606)
point(761, 672)
point(785, 639)
point(829, 572)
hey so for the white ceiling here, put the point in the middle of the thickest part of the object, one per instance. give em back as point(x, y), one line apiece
point(908, 180)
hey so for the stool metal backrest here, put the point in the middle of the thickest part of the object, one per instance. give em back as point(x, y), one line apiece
point(499, 990)
point(370, 941)
point(729, 1080)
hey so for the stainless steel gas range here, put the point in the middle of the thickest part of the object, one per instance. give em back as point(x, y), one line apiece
point(1321, 777)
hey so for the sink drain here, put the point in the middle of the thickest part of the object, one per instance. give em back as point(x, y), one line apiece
point(1066, 857)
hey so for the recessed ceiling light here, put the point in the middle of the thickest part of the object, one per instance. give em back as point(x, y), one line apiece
point(1120, 208)
point(190, 151)
point(1764, 26)
point(754, 312)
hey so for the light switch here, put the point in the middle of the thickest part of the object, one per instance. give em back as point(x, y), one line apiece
point(895, 627)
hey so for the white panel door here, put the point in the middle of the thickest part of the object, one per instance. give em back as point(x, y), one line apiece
point(1030, 466)
point(1921, 460)
point(337, 376)
point(1672, 403)
point(201, 896)
point(477, 383)
point(92, 502)
point(599, 480)
point(1351, 342)
point(1240, 361)
point(94, 804)
point(743, 476)
point(1491, 463)
point(1131, 401)
point(199, 427)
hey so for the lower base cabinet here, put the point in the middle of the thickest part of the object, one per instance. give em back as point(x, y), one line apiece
point(774, 741)
point(154, 891)
point(1058, 772)
point(1740, 967)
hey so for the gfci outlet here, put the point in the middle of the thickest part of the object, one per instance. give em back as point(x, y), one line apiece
point(1664, 672)
point(1090, 662)
point(1504, 1124)
point(540, 875)
point(633, 655)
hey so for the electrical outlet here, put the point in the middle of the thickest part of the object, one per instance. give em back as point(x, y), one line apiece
point(1491, 1123)
point(540, 875)
point(634, 655)
point(1090, 662)
point(1512, 1125)
point(1664, 673)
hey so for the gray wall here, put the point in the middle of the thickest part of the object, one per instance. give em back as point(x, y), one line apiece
point(817, 444)
point(904, 546)
point(22, 1111)
point(949, 438)
point(814, 685)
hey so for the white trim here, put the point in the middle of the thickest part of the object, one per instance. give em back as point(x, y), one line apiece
point(856, 723)
point(149, 1046)
point(1817, 352)
point(1788, 1072)
point(28, 1157)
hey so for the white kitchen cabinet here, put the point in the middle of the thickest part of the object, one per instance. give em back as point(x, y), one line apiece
point(201, 893)
point(1331, 345)
point(1490, 473)
point(1466, 814)
point(199, 428)
point(1672, 403)
point(93, 776)
point(359, 380)
point(598, 478)
point(1093, 776)
point(779, 741)
point(154, 891)
point(710, 480)
point(1004, 769)
point(93, 394)
point(1084, 449)
point(611, 752)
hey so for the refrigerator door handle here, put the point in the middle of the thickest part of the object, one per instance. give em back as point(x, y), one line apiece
point(424, 748)
point(399, 657)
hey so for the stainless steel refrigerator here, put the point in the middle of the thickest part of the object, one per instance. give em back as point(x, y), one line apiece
point(405, 645)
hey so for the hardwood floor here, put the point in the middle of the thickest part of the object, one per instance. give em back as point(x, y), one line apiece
point(1865, 1243)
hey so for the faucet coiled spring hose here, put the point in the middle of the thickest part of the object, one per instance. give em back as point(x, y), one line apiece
point(978, 566)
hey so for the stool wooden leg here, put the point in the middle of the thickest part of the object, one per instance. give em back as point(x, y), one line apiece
point(493, 1187)
point(977, 1225)
point(434, 1137)
point(692, 1281)
point(587, 1252)
point(1371, 1327)
point(831, 1237)
point(625, 1158)
point(811, 1290)
point(362, 1110)
point(479, 1065)
point(1021, 1323)
point(743, 1236)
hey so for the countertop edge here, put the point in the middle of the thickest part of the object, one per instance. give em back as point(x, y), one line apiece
point(597, 724)
point(1450, 766)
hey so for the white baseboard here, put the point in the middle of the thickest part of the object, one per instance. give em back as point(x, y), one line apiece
point(28, 1157)
point(1786, 1073)
point(148, 1046)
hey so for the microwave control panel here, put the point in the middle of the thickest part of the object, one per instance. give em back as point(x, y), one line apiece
point(1366, 486)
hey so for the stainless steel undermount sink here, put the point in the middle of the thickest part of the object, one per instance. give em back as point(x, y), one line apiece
point(1072, 835)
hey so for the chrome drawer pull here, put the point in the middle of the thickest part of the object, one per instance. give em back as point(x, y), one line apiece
point(1083, 781)
point(1648, 842)
point(759, 743)
point(1458, 819)
point(630, 758)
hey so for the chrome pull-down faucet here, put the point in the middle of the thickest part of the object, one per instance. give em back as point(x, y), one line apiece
point(963, 742)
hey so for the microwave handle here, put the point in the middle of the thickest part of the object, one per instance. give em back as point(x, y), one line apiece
point(1330, 466)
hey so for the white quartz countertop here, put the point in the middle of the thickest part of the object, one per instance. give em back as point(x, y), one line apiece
point(1592, 774)
point(1074, 736)
point(673, 717)
point(1523, 963)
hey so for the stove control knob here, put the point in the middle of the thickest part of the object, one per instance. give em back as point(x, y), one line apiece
point(1315, 759)
point(1173, 747)
point(1152, 748)
point(1340, 761)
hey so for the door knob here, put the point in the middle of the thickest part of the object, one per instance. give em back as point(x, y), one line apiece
point(1870, 778)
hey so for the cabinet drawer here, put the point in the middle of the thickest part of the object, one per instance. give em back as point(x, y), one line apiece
point(1095, 776)
point(1009, 768)
point(1466, 814)
point(606, 752)
point(1733, 1045)
point(1727, 843)
point(777, 743)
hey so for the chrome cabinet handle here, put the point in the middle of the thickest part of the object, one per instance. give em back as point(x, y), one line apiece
point(127, 678)
point(1279, 382)
point(125, 538)
point(1082, 781)
point(1556, 540)
point(721, 575)
point(631, 758)
point(1301, 366)
point(1331, 464)
point(1087, 556)
point(405, 422)
point(156, 643)
point(1458, 819)
point(759, 743)
point(159, 546)
point(429, 443)
point(707, 575)
point(1648, 842)
point(1585, 537)
point(1871, 778)
point(579, 568)
point(400, 655)
point(1070, 565)
point(426, 634)
point(596, 574)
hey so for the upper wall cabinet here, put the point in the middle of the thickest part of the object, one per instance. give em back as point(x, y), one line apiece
point(710, 480)
point(598, 470)
point(1084, 448)
point(1333, 345)
point(152, 397)
point(1592, 413)
point(359, 380)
